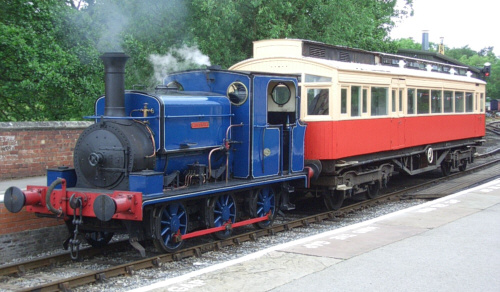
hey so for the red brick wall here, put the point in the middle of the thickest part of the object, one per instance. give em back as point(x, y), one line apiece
point(17, 222)
point(29, 148)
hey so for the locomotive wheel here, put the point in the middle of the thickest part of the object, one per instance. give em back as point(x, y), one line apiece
point(445, 168)
point(171, 220)
point(262, 202)
point(373, 190)
point(333, 199)
point(463, 166)
point(221, 210)
point(98, 239)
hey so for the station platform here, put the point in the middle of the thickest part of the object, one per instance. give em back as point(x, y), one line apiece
point(449, 244)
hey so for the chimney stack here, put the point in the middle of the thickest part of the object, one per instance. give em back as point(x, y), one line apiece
point(114, 79)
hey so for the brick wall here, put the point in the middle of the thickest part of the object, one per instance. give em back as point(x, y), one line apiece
point(23, 234)
point(29, 148)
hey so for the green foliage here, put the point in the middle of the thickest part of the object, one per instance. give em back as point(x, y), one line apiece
point(50, 49)
point(42, 76)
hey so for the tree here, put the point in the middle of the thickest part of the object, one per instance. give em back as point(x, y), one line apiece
point(225, 29)
point(41, 79)
point(50, 68)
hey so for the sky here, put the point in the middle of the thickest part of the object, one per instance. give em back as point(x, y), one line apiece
point(460, 22)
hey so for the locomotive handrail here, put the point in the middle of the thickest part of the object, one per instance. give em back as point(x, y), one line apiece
point(199, 116)
point(48, 195)
point(121, 118)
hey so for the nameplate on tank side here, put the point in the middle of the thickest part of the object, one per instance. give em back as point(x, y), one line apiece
point(200, 125)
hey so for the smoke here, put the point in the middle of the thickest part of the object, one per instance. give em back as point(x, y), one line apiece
point(176, 60)
point(114, 23)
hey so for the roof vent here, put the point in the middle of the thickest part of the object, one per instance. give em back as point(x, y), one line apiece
point(344, 56)
point(317, 52)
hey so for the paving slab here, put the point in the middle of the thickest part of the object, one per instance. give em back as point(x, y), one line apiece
point(271, 270)
point(354, 242)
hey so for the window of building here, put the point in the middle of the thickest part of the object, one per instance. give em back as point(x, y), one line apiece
point(343, 101)
point(379, 98)
point(422, 101)
point(469, 102)
point(355, 101)
point(411, 101)
point(448, 101)
point(436, 101)
point(317, 101)
point(459, 102)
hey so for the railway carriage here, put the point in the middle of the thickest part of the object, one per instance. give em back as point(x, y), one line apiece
point(370, 113)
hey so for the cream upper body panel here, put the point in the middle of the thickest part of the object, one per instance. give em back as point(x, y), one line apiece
point(357, 90)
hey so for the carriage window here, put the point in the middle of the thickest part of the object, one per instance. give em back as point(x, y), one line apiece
point(315, 78)
point(459, 102)
point(436, 101)
point(422, 101)
point(365, 101)
point(343, 101)
point(355, 101)
point(281, 94)
point(448, 101)
point(469, 102)
point(481, 103)
point(411, 101)
point(393, 98)
point(401, 100)
point(317, 101)
point(237, 93)
point(379, 101)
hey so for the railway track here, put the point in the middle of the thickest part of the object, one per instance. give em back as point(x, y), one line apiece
point(129, 268)
point(493, 127)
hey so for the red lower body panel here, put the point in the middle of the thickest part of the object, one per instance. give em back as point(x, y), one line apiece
point(341, 139)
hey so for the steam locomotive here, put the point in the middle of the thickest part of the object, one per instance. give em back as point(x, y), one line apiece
point(209, 151)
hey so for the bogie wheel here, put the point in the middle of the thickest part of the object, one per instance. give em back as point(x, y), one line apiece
point(445, 168)
point(463, 166)
point(333, 199)
point(262, 202)
point(373, 190)
point(171, 221)
point(98, 239)
point(221, 210)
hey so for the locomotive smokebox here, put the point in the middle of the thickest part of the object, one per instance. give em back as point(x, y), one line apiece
point(114, 79)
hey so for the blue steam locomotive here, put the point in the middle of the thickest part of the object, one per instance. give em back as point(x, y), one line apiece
point(209, 151)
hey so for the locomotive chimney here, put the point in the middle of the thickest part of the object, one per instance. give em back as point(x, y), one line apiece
point(114, 79)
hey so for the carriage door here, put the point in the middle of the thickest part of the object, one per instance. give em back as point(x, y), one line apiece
point(278, 140)
point(397, 113)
